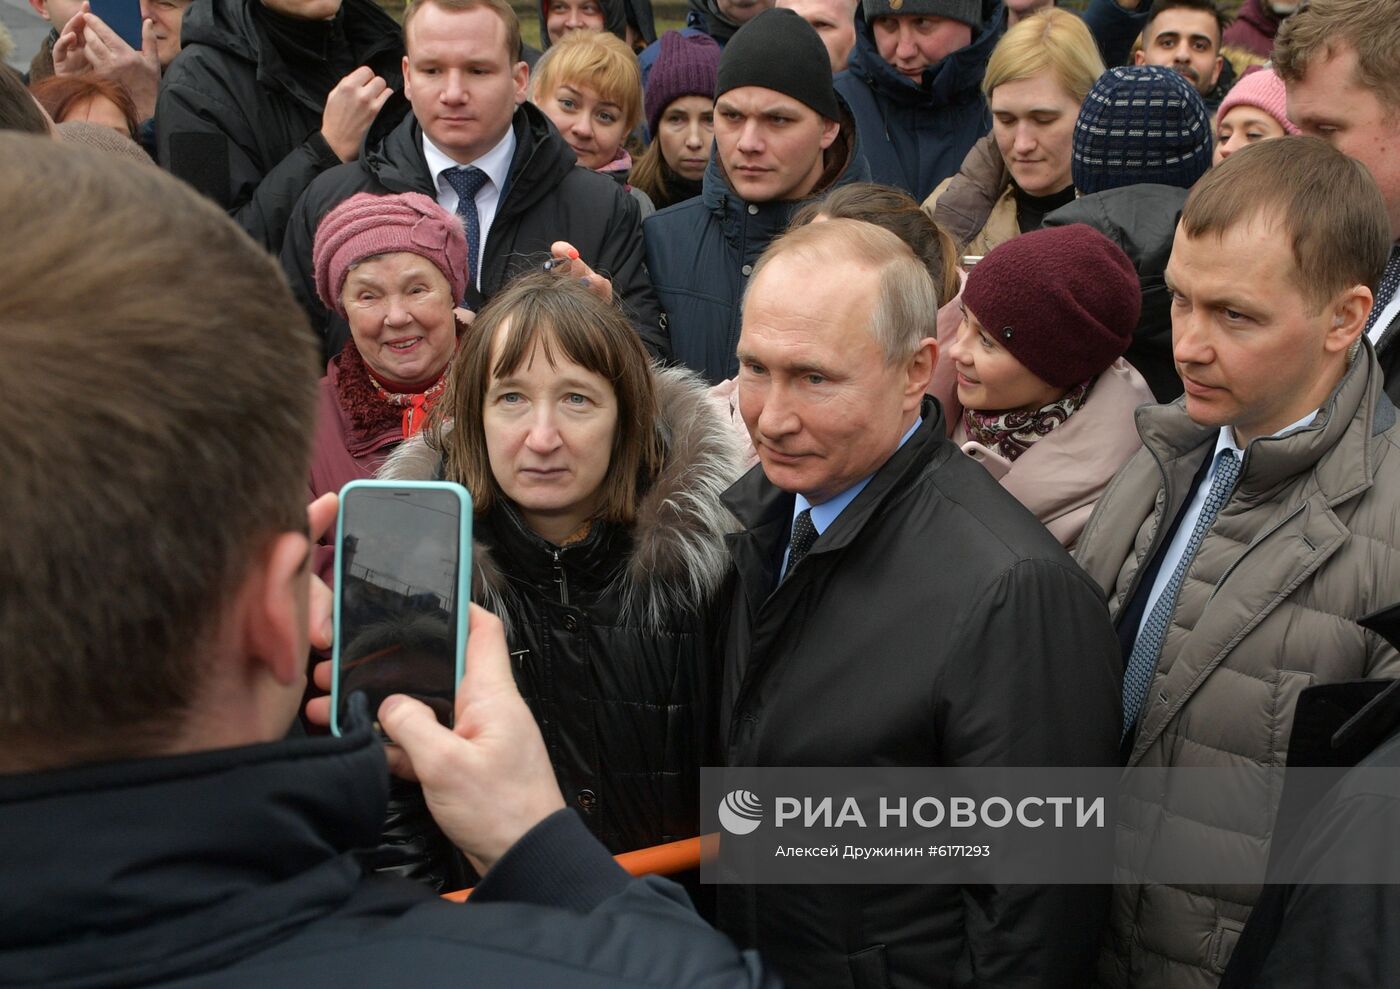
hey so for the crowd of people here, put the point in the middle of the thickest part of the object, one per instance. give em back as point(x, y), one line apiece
point(925, 383)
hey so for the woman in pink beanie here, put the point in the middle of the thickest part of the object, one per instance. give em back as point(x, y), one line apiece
point(394, 267)
point(1256, 109)
point(1047, 399)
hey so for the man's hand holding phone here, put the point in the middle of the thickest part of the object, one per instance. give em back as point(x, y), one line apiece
point(488, 780)
point(88, 43)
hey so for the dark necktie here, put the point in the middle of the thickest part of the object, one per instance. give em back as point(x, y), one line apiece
point(467, 181)
point(1142, 664)
point(1390, 281)
point(804, 534)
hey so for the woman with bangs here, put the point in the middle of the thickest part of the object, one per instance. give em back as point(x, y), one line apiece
point(590, 88)
point(599, 541)
point(1036, 79)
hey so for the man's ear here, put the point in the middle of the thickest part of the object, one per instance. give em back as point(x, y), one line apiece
point(1140, 57)
point(275, 621)
point(41, 7)
point(920, 372)
point(1349, 312)
point(521, 75)
point(1215, 76)
point(830, 128)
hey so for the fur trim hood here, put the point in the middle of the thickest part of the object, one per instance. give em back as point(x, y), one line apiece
point(677, 558)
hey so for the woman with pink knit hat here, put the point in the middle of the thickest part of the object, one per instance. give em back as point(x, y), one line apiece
point(1256, 109)
point(394, 268)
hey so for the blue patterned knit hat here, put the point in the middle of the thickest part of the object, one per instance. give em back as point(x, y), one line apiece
point(1140, 123)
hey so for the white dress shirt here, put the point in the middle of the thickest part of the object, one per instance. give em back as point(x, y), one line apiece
point(495, 163)
point(1225, 441)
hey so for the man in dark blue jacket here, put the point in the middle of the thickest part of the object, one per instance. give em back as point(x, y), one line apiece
point(159, 825)
point(915, 74)
point(781, 136)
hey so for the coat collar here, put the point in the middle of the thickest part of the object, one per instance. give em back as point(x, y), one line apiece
point(760, 506)
point(845, 164)
point(1336, 448)
point(956, 78)
point(152, 869)
point(394, 154)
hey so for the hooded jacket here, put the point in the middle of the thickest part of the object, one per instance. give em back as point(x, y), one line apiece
point(1254, 28)
point(616, 15)
point(1306, 544)
point(1140, 219)
point(934, 623)
point(701, 252)
point(242, 123)
point(916, 136)
point(238, 867)
point(612, 635)
point(547, 199)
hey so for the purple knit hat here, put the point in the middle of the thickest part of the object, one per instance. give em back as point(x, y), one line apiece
point(365, 225)
point(1260, 87)
point(1063, 300)
point(686, 65)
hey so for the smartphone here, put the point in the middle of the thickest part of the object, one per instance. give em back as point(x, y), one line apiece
point(123, 17)
point(402, 588)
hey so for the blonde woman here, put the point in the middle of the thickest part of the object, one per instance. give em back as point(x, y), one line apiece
point(1036, 79)
point(590, 88)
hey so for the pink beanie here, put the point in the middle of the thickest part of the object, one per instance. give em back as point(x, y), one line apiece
point(365, 225)
point(1262, 88)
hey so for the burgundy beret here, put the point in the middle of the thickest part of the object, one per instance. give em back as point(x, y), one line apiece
point(1063, 300)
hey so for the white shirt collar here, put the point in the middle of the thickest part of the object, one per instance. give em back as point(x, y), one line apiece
point(495, 163)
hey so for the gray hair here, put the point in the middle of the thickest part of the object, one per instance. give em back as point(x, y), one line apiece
point(906, 303)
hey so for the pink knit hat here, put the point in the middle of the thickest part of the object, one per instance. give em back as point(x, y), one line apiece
point(365, 225)
point(1262, 88)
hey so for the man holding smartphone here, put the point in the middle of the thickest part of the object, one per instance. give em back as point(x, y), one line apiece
point(157, 611)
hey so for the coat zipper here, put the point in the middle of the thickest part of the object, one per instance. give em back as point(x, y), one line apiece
point(561, 579)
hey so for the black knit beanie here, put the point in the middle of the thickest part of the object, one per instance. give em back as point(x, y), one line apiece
point(780, 51)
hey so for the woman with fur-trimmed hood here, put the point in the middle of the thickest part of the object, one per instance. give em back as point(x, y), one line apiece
point(599, 541)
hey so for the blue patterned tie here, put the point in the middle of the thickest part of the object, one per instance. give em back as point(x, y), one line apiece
point(1390, 281)
point(467, 181)
point(804, 534)
point(1142, 663)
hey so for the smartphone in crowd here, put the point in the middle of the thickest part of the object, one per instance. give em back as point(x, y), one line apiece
point(402, 588)
point(123, 17)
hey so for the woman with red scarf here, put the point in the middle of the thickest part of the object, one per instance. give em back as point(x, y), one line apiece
point(394, 267)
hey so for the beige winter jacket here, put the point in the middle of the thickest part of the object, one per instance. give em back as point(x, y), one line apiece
point(999, 227)
point(1063, 474)
point(1305, 546)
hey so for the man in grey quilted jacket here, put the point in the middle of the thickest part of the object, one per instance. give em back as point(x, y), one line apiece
point(1240, 545)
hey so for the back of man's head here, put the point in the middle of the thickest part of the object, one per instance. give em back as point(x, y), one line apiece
point(1325, 204)
point(156, 404)
point(1322, 28)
